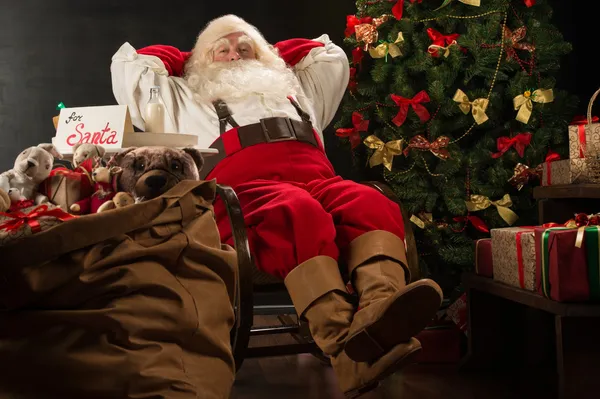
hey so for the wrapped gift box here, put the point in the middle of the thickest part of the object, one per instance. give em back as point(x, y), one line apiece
point(584, 138)
point(571, 171)
point(64, 187)
point(483, 257)
point(28, 221)
point(513, 256)
point(567, 263)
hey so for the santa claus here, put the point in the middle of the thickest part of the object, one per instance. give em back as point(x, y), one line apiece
point(264, 108)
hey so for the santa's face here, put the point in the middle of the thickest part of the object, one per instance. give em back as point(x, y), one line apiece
point(233, 47)
point(234, 69)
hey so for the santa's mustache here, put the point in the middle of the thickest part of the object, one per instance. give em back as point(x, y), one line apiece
point(240, 78)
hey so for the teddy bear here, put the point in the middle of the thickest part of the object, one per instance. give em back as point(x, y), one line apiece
point(104, 179)
point(85, 151)
point(120, 200)
point(32, 166)
point(148, 172)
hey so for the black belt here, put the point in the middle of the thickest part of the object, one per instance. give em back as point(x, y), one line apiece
point(268, 130)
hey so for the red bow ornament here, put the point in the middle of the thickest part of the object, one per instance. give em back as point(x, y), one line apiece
point(519, 142)
point(17, 219)
point(441, 42)
point(476, 221)
point(513, 42)
point(398, 8)
point(437, 148)
point(523, 174)
point(352, 83)
point(415, 103)
point(357, 56)
point(529, 3)
point(352, 21)
point(353, 134)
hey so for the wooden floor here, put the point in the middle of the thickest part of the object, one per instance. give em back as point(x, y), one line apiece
point(304, 376)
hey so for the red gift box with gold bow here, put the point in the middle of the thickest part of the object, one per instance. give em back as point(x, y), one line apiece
point(28, 221)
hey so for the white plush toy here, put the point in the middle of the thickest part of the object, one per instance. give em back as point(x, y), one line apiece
point(15, 195)
point(32, 166)
point(82, 152)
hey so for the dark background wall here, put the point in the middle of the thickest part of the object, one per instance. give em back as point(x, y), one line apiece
point(60, 50)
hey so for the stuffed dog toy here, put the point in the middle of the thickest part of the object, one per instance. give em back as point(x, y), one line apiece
point(148, 172)
point(32, 167)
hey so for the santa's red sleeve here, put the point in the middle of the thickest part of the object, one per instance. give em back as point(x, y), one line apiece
point(294, 50)
point(173, 58)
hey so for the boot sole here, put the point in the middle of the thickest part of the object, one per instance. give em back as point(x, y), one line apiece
point(408, 313)
point(404, 361)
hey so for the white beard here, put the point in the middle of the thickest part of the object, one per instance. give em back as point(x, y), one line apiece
point(237, 80)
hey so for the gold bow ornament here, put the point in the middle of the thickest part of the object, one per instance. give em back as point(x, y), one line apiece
point(480, 202)
point(475, 3)
point(384, 152)
point(524, 102)
point(386, 48)
point(422, 219)
point(434, 47)
point(367, 33)
point(476, 107)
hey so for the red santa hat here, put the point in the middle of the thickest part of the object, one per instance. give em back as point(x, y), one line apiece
point(225, 25)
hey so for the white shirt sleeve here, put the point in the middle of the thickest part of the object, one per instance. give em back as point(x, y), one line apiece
point(324, 75)
point(134, 74)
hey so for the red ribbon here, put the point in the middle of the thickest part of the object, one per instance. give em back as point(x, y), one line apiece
point(520, 258)
point(357, 56)
point(18, 218)
point(415, 103)
point(352, 21)
point(441, 40)
point(352, 83)
point(581, 122)
point(398, 8)
point(520, 141)
point(437, 148)
point(353, 134)
point(550, 157)
point(529, 3)
point(476, 221)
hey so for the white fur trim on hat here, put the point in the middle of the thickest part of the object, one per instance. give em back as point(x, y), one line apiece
point(225, 25)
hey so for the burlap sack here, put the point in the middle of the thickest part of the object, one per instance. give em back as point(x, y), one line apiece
point(130, 303)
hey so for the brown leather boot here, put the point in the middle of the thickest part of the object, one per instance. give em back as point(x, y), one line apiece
point(390, 311)
point(356, 379)
point(320, 297)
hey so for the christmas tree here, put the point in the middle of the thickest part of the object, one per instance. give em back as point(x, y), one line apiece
point(453, 103)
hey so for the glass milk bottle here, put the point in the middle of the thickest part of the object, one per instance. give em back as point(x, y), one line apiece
point(155, 112)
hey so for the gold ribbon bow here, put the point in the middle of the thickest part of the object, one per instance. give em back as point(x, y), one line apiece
point(367, 33)
point(384, 152)
point(386, 48)
point(434, 47)
point(475, 3)
point(480, 202)
point(422, 219)
point(524, 102)
point(476, 107)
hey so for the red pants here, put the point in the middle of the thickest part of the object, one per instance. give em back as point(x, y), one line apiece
point(296, 208)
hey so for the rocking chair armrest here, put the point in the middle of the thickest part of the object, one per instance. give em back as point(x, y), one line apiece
point(243, 302)
point(411, 244)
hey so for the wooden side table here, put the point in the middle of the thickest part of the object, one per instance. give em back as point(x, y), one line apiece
point(555, 344)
